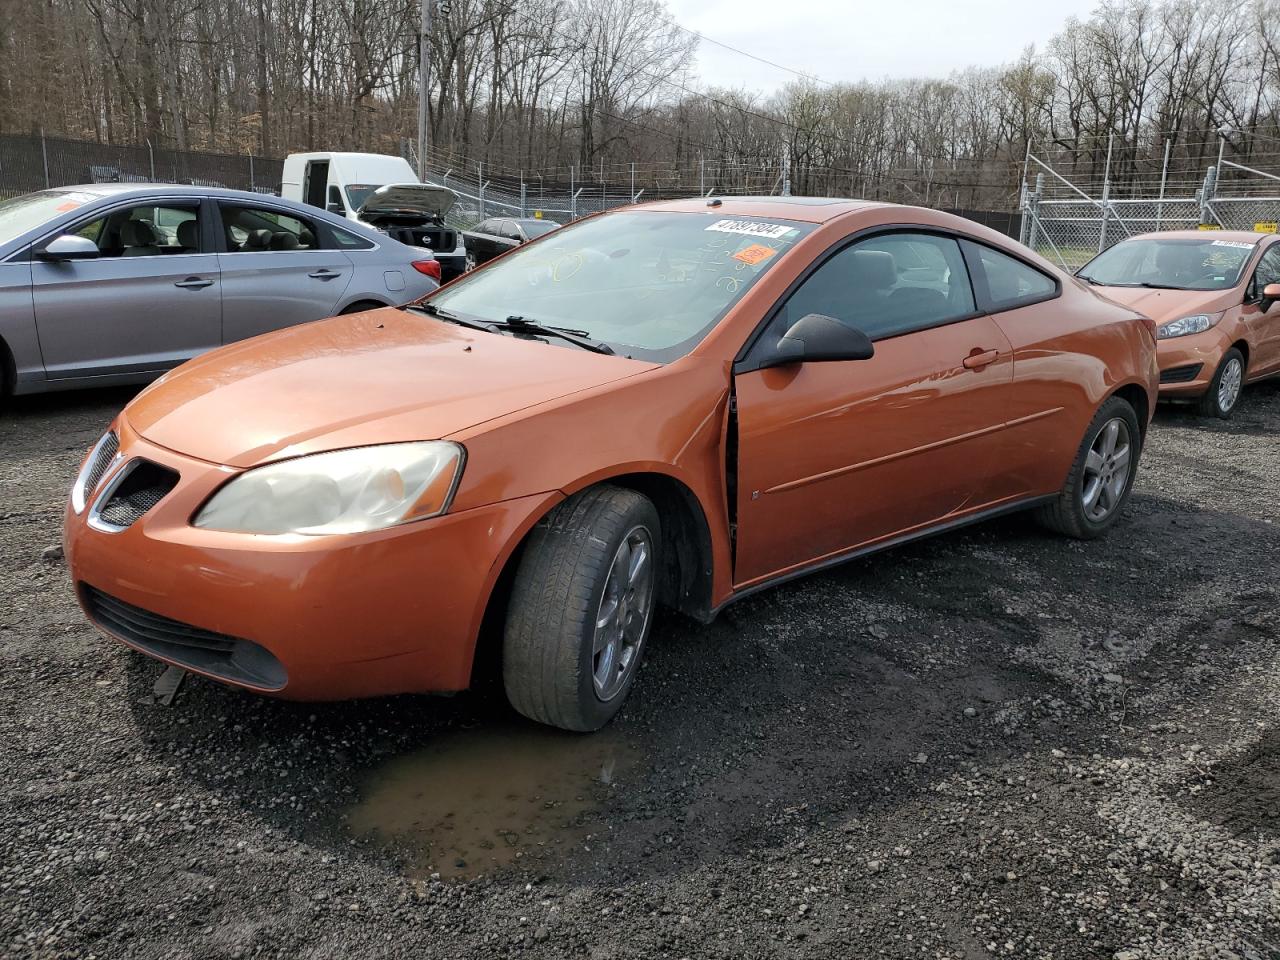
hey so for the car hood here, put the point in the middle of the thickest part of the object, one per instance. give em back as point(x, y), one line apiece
point(420, 198)
point(1165, 305)
point(385, 376)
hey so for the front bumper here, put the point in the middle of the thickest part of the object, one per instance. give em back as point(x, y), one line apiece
point(1187, 364)
point(391, 611)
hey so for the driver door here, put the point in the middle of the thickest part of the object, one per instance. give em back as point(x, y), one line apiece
point(833, 456)
point(1264, 325)
point(152, 300)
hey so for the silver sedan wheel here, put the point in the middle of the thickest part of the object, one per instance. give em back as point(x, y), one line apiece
point(1106, 469)
point(623, 617)
point(1229, 384)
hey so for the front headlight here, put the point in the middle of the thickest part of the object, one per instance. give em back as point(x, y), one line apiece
point(346, 491)
point(1198, 323)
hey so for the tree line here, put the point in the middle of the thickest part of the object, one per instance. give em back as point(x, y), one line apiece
point(594, 86)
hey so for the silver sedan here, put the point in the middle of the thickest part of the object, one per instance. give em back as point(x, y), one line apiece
point(117, 283)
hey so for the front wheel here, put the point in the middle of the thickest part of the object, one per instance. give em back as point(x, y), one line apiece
point(1224, 389)
point(1101, 477)
point(581, 608)
point(470, 263)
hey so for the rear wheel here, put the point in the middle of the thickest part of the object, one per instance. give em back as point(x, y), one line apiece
point(470, 262)
point(581, 608)
point(1101, 477)
point(1223, 395)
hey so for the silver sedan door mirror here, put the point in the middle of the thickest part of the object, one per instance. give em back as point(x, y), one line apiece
point(69, 247)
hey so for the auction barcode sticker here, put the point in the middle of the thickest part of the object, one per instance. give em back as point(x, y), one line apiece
point(1239, 244)
point(751, 228)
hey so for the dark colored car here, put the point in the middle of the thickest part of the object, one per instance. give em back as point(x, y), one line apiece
point(497, 235)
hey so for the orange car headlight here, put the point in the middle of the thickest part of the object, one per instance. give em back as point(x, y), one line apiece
point(343, 491)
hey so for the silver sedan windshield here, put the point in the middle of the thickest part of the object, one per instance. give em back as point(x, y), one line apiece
point(21, 214)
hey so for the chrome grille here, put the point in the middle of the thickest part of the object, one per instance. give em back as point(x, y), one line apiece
point(95, 468)
point(107, 450)
point(139, 487)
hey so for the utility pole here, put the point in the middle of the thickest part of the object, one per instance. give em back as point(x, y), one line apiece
point(424, 85)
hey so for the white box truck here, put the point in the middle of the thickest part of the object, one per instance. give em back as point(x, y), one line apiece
point(382, 192)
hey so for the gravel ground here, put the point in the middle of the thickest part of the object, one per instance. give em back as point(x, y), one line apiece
point(995, 743)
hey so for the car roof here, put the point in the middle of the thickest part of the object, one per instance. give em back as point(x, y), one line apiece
point(807, 209)
point(158, 189)
point(1239, 236)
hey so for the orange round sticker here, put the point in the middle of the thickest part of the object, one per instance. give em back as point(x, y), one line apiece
point(756, 253)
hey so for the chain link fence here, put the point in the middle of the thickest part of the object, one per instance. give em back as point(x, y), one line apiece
point(36, 162)
point(1070, 228)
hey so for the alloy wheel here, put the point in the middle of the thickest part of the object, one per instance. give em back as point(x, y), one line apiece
point(623, 616)
point(1106, 469)
point(1229, 384)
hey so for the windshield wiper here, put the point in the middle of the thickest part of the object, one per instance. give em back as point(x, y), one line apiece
point(1088, 279)
point(1159, 286)
point(431, 310)
point(579, 338)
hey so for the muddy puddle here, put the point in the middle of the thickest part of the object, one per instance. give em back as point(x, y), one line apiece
point(492, 797)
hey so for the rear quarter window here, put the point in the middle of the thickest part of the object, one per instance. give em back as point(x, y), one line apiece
point(349, 241)
point(1010, 282)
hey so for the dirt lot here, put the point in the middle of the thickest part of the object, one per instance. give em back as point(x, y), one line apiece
point(993, 744)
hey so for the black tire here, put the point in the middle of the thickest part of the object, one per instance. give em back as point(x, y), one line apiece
point(548, 656)
point(1068, 513)
point(1211, 404)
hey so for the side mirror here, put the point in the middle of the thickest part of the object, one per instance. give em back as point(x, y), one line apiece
point(816, 338)
point(69, 247)
point(337, 208)
point(1270, 294)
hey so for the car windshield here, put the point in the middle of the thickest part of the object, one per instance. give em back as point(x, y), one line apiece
point(1180, 264)
point(24, 213)
point(536, 228)
point(358, 193)
point(649, 284)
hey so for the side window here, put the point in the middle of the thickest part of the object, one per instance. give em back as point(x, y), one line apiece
point(349, 241)
point(509, 230)
point(145, 231)
point(1268, 269)
point(1010, 282)
point(886, 285)
point(484, 226)
point(262, 229)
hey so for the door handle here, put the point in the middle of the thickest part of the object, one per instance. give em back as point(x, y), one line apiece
point(324, 273)
point(194, 283)
point(980, 358)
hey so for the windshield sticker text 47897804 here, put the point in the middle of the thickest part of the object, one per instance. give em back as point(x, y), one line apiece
point(751, 228)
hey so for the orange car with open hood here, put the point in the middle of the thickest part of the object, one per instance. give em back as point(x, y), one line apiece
point(1215, 297)
point(677, 404)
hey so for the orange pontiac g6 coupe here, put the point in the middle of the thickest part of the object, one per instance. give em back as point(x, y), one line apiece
point(674, 404)
point(1215, 297)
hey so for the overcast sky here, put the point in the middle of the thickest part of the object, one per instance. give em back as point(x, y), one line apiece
point(864, 39)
